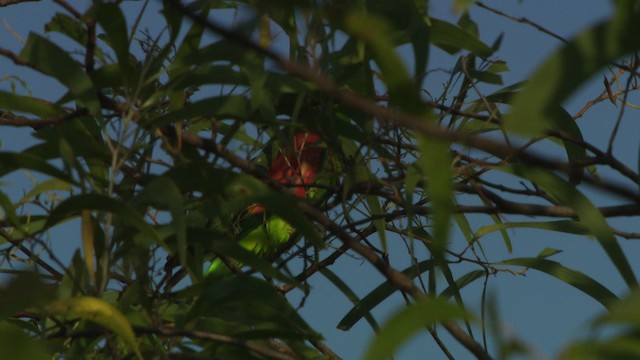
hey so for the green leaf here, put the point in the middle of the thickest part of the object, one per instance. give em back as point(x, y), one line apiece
point(407, 19)
point(188, 46)
point(100, 312)
point(462, 5)
point(163, 194)
point(110, 17)
point(209, 75)
point(24, 291)
point(379, 294)
point(562, 121)
point(461, 282)
point(55, 61)
point(247, 300)
point(355, 300)
point(28, 104)
point(409, 321)
point(570, 67)
point(45, 187)
point(565, 226)
point(381, 227)
point(548, 252)
point(588, 214)
point(374, 32)
point(451, 39)
point(625, 312)
point(15, 344)
point(224, 107)
point(27, 225)
point(73, 205)
point(572, 277)
point(10, 162)
point(9, 211)
point(436, 164)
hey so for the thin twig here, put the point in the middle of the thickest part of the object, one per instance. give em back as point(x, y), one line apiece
point(522, 20)
point(43, 264)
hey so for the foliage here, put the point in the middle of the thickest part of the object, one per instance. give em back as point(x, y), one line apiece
point(160, 142)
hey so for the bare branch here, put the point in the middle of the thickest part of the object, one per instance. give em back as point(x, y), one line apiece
point(4, 3)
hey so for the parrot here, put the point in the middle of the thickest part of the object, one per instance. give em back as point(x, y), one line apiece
point(298, 165)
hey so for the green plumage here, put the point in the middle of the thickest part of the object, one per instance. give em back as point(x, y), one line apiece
point(262, 240)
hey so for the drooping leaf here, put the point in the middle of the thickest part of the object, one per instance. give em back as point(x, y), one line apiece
point(27, 104)
point(572, 277)
point(112, 20)
point(355, 300)
point(100, 312)
point(588, 214)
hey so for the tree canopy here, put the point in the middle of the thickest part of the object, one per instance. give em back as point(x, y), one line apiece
point(241, 121)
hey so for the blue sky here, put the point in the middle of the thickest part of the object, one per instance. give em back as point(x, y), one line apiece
point(537, 308)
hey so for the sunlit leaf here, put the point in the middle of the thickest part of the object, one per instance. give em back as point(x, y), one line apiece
point(88, 245)
point(98, 311)
point(46, 186)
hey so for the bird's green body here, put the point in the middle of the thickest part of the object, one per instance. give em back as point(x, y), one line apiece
point(261, 240)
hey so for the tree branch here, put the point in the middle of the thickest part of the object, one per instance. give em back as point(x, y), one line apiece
point(414, 123)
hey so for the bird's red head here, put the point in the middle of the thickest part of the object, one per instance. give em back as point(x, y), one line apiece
point(297, 166)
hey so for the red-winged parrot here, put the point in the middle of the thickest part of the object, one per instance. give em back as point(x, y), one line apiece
point(295, 166)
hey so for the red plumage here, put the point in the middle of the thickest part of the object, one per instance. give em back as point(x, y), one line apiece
point(297, 166)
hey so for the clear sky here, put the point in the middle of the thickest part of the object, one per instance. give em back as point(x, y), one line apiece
point(537, 308)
